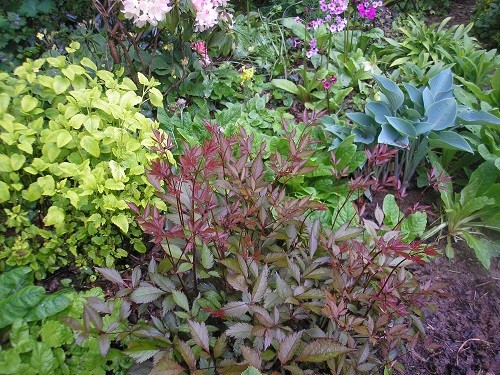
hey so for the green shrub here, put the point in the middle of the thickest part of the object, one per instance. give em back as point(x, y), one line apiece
point(71, 155)
point(487, 21)
point(35, 340)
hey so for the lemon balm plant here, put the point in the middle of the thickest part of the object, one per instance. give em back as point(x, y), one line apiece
point(72, 152)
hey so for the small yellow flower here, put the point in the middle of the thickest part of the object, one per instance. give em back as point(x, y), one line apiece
point(246, 74)
point(184, 61)
point(40, 36)
point(168, 47)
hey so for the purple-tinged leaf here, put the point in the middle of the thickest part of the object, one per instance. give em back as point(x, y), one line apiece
point(199, 333)
point(91, 315)
point(136, 276)
point(235, 309)
point(141, 351)
point(260, 286)
point(240, 330)
point(166, 366)
point(313, 238)
point(111, 275)
point(186, 353)
point(252, 356)
point(104, 344)
point(288, 347)
point(220, 345)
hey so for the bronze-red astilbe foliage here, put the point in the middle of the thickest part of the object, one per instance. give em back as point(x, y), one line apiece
point(245, 279)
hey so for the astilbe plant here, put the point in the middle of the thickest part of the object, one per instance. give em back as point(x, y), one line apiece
point(242, 278)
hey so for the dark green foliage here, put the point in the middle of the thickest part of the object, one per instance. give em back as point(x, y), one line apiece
point(487, 22)
point(34, 339)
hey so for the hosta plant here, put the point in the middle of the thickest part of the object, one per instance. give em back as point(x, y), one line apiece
point(72, 152)
point(414, 121)
point(240, 277)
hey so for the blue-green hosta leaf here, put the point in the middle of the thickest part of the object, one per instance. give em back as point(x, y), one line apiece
point(415, 94)
point(379, 111)
point(403, 126)
point(449, 140)
point(363, 135)
point(427, 97)
point(478, 118)
point(390, 136)
point(442, 114)
point(423, 127)
point(441, 82)
point(361, 119)
point(391, 91)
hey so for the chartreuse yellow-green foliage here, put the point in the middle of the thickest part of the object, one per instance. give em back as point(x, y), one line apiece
point(73, 152)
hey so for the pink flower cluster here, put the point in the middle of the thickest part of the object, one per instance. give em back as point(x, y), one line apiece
point(207, 13)
point(368, 9)
point(201, 48)
point(327, 83)
point(143, 12)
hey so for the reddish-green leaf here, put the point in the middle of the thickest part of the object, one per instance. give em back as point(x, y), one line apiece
point(260, 285)
point(288, 346)
point(252, 356)
point(166, 366)
point(111, 275)
point(199, 334)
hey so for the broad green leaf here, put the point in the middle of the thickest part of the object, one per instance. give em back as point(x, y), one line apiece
point(17, 161)
point(441, 82)
point(4, 192)
point(13, 280)
point(141, 351)
point(322, 350)
point(50, 305)
point(286, 85)
point(155, 97)
point(33, 193)
point(42, 359)
point(121, 221)
point(63, 138)
point(483, 248)
point(18, 304)
point(251, 371)
point(90, 145)
point(86, 62)
point(414, 225)
point(61, 84)
point(55, 216)
point(146, 294)
point(180, 299)
point(28, 103)
point(392, 214)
